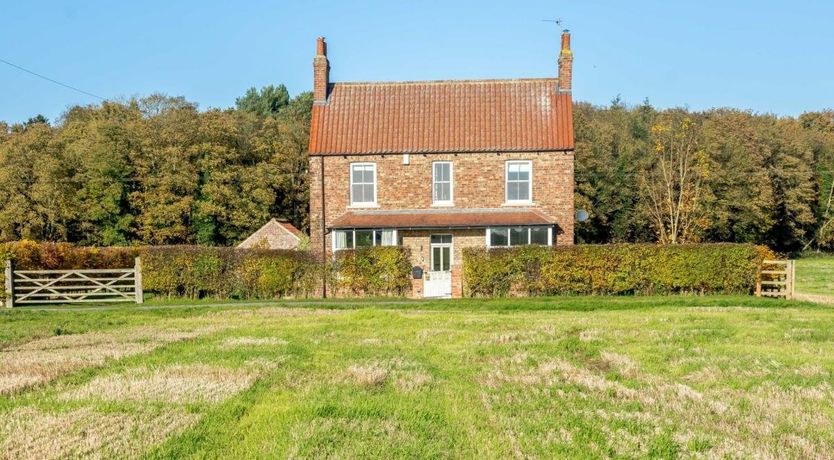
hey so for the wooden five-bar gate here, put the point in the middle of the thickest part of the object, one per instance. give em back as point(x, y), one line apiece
point(777, 278)
point(29, 287)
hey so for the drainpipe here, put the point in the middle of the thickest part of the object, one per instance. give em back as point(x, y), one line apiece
point(323, 234)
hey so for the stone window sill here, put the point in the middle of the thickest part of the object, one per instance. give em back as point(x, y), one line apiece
point(519, 204)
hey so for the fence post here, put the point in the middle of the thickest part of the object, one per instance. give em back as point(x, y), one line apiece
point(792, 278)
point(9, 283)
point(759, 281)
point(137, 276)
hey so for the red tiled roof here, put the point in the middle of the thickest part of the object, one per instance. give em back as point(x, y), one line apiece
point(291, 228)
point(436, 218)
point(443, 116)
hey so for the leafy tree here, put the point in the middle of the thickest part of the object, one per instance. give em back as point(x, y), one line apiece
point(672, 185)
point(167, 175)
point(36, 120)
point(300, 108)
point(819, 127)
point(267, 102)
point(236, 191)
point(739, 193)
point(610, 144)
point(789, 164)
point(19, 217)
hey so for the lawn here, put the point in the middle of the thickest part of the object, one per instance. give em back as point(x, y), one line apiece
point(565, 377)
point(815, 275)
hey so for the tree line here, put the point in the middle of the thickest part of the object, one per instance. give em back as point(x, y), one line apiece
point(157, 170)
point(717, 175)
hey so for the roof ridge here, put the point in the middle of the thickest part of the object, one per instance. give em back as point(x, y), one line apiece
point(440, 82)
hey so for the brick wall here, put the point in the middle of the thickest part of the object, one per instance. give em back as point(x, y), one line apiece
point(271, 236)
point(478, 183)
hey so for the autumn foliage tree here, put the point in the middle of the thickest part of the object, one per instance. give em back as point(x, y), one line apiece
point(672, 184)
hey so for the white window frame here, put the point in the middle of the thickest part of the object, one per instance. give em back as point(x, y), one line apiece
point(529, 235)
point(362, 204)
point(507, 199)
point(441, 245)
point(353, 231)
point(451, 200)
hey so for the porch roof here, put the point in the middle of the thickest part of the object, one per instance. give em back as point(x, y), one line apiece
point(441, 218)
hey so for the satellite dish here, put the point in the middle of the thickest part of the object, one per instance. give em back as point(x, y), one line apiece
point(581, 215)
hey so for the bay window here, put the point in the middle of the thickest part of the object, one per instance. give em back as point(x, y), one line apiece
point(352, 239)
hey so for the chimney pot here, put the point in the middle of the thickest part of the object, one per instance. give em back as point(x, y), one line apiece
point(321, 47)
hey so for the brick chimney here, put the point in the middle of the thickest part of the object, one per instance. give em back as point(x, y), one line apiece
point(565, 64)
point(321, 72)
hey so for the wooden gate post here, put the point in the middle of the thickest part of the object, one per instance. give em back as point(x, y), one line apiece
point(9, 284)
point(137, 276)
point(759, 281)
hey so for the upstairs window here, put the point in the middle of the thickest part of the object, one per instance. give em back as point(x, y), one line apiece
point(442, 182)
point(363, 184)
point(518, 182)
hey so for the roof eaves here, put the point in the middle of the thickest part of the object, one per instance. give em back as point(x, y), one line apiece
point(553, 149)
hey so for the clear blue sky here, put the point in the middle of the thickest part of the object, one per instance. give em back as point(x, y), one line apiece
point(767, 56)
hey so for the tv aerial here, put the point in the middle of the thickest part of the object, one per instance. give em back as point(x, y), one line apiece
point(557, 21)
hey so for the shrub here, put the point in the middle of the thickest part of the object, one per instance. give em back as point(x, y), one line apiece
point(379, 270)
point(613, 269)
point(198, 272)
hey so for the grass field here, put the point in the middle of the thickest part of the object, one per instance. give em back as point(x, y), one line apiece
point(570, 377)
point(815, 275)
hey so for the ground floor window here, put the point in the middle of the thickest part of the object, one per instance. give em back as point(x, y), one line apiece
point(351, 239)
point(497, 237)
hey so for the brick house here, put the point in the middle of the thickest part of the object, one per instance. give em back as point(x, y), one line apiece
point(438, 166)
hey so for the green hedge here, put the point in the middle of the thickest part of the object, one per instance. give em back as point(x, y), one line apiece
point(221, 273)
point(199, 272)
point(613, 269)
point(373, 271)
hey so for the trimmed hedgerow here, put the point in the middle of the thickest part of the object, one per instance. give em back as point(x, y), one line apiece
point(199, 272)
point(374, 271)
point(614, 269)
point(222, 273)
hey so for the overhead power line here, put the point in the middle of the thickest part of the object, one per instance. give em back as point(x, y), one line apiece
point(50, 79)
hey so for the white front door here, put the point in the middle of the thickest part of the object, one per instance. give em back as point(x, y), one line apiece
point(438, 281)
